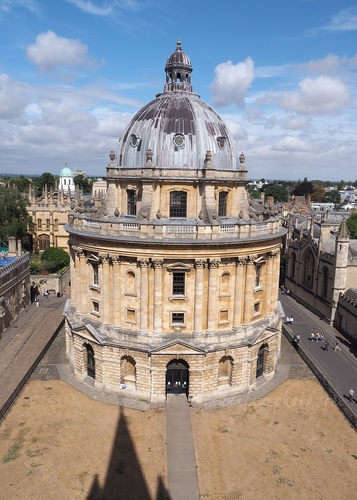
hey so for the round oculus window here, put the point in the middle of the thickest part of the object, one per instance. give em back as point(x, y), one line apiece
point(221, 142)
point(134, 140)
point(179, 140)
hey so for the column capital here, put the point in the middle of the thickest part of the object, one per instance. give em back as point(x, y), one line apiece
point(200, 263)
point(142, 262)
point(214, 263)
point(241, 261)
point(157, 263)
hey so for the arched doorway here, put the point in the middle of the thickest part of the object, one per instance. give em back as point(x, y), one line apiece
point(260, 361)
point(90, 361)
point(177, 377)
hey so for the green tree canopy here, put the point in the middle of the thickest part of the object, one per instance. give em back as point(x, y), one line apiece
point(280, 193)
point(21, 182)
point(83, 182)
point(352, 226)
point(332, 197)
point(14, 218)
point(45, 178)
point(304, 188)
point(54, 259)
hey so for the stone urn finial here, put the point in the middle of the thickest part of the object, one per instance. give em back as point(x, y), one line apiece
point(149, 155)
point(242, 159)
point(116, 212)
point(208, 158)
point(112, 155)
point(158, 214)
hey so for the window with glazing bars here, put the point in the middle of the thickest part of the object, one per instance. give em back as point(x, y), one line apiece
point(95, 274)
point(178, 318)
point(131, 197)
point(178, 284)
point(178, 203)
point(222, 204)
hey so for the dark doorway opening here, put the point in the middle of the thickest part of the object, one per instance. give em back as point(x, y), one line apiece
point(260, 362)
point(177, 377)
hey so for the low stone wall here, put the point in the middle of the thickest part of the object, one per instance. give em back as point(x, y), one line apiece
point(55, 283)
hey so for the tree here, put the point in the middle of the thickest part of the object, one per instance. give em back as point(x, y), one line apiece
point(21, 182)
point(341, 184)
point(45, 179)
point(303, 189)
point(83, 183)
point(14, 218)
point(279, 193)
point(332, 197)
point(318, 193)
point(352, 226)
point(54, 259)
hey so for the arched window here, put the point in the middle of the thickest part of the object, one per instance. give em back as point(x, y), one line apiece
point(130, 283)
point(178, 204)
point(43, 242)
point(55, 226)
point(90, 361)
point(309, 265)
point(222, 204)
point(325, 277)
point(95, 274)
point(292, 265)
point(39, 223)
point(257, 276)
point(128, 372)
point(225, 284)
point(48, 224)
point(131, 201)
point(225, 371)
point(261, 360)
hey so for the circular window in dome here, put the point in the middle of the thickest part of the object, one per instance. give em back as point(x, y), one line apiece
point(134, 140)
point(221, 142)
point(179, 140)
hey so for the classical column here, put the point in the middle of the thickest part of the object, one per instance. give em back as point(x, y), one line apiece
point(144, 295)
point(269, 283)
point(105, 302)
point(248, 291)
point(157, 263)
point(198, 304)
point(238, 293)
point(116, 292)
point(212, 297)
point(72, 275)
point(82, 289)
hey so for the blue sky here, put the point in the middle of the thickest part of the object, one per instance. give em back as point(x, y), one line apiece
point(282, 74)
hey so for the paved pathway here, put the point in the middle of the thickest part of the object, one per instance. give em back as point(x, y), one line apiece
point(337, 368)
point(181, 462)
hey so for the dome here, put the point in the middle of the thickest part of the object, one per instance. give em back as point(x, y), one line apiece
point(177, 126)
point(66, 172)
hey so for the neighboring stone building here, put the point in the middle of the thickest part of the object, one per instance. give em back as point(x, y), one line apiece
point(346, 314)
point(49, 214)
point(174, 280)
point(321, 263)
point(14, 283)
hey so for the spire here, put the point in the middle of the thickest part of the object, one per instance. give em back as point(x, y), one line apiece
point(343, 232)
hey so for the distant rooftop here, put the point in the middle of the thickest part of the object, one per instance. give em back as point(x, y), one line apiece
point(4, 261)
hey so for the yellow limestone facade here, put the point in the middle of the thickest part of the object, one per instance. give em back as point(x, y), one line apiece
point(174, 280)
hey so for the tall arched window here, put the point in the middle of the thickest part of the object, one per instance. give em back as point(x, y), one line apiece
point(224, 370)
point(131, 201)
point(325, 277)
point(39, 223)
point(43, 242)
point(128, 372)
point(178, 204)
point(309, 265)
point(90, 361)
point(48, 224)
point(292, 265)
point(222, 204)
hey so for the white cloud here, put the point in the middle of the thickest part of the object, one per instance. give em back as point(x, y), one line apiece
point(320, 95)
point(13, 99)
point(296, 123)
point(231, 82)
point(9, 7)
point(345, 20)
point(292, 144)
point(105, 8)
point(329, 65)
point(51, 51)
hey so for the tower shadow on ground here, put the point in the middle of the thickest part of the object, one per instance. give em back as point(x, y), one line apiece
point(125, 479)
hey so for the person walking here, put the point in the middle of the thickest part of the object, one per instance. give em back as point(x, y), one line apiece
point(297, 338)
point(351, 393)
point(291, 320)
point(326, 345)
point(337, 346)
